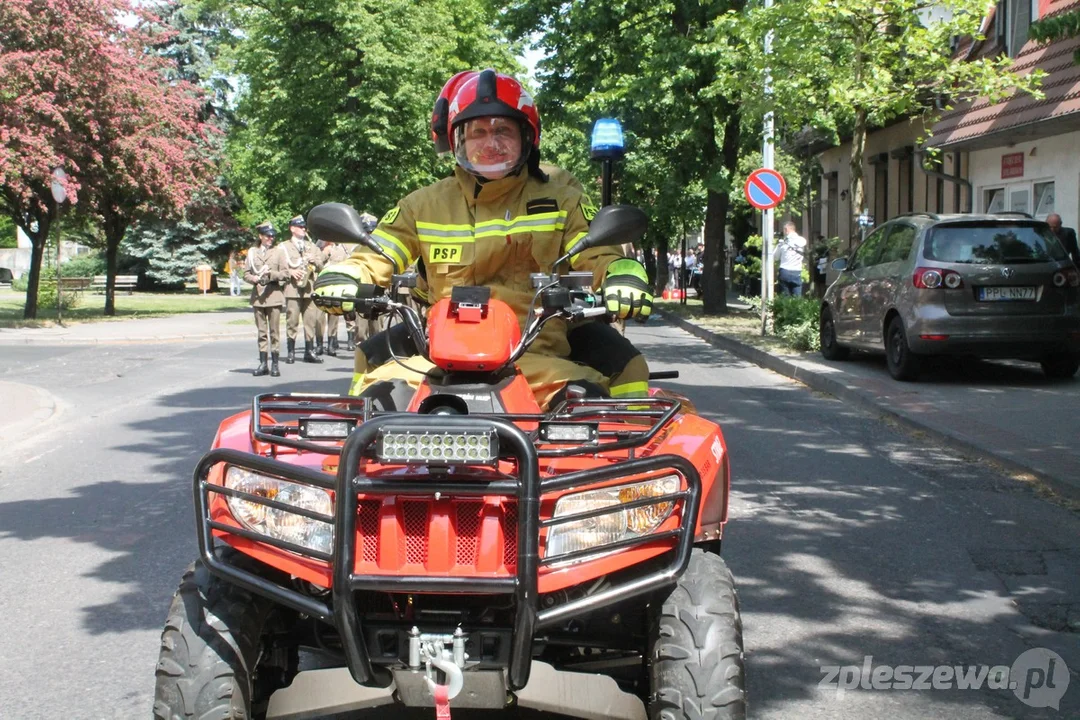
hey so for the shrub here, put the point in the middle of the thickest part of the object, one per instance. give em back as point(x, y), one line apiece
point(20, 284)
point(790, 311)
point(87, 265)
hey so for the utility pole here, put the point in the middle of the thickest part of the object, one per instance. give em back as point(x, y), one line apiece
point(767, 215)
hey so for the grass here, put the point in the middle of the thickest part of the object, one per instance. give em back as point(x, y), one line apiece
point(91, 307)
point(739, 323)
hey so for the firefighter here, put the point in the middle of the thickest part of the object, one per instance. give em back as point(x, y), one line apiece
point(495, 221)
point(303, 261)
point(265, 271)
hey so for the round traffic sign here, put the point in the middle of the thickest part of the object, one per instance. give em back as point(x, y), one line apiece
point(765, 189)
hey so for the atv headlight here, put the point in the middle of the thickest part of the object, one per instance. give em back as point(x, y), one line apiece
point(619, 524)
point(281, 524)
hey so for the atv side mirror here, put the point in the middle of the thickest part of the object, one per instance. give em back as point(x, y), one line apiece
point(613, 225)
point(339, 223)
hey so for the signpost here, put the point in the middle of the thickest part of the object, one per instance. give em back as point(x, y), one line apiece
point(765, 189)
point(59, 195)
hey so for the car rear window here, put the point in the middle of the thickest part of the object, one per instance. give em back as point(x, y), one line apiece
point(993, 243)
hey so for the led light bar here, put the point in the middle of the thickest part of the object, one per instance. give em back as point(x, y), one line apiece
point(326, 428)
point(578, 433)
point(439, 448)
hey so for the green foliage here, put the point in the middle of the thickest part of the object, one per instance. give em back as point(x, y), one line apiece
point(1058, 27)
point(165, 253)
point(20, 284)
point(8, 236)
point(47, 296)
point(793, 319)
point(87, 265)
point(337, 99)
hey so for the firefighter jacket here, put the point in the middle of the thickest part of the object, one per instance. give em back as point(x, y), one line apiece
point(492, 234)
point(265, 261)
point(310, 260)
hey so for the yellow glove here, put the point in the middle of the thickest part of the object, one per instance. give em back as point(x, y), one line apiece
point(626, 289)
point(334, 283)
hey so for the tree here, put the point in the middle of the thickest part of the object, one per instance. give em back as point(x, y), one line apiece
point(337, 97)
point(656, 67)
point(1058, 27)
point(863, 63)
point(86, 94)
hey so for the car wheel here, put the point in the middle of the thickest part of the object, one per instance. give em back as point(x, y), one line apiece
point(903, 363)
point(1060, 366)
point(830, 350)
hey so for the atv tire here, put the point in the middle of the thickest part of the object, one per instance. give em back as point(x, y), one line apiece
point(217, 661)
point(696, 664)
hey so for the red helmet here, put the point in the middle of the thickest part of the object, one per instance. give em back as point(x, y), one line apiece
point(440, 124)
point(490, 94)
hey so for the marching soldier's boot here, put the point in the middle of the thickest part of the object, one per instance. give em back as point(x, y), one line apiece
point(318, 347)
point(310, 356)
point(290, 358)
point(351, 343)
point(332, 347)
point(274, 371)
point(262, 369)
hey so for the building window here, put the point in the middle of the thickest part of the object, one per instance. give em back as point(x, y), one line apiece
point(1044, 199)
point(833, 207)
point(880, 207)
point(1014, 18)
point(994, 200)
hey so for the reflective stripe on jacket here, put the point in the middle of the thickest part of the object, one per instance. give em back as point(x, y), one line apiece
point(493, 234)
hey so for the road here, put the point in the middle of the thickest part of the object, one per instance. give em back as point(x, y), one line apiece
point(849, 539)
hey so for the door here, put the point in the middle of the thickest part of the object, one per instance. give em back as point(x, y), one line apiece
point(851, 287)
point(884, 281)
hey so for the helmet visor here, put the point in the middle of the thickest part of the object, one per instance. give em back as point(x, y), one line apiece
point(492, 147)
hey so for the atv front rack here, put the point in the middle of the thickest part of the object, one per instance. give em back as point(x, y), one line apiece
point(628, 413)
point(526, 490)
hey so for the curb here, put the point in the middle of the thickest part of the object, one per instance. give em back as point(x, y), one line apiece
point(65, 340)
point(865, 401)
point(47, 407)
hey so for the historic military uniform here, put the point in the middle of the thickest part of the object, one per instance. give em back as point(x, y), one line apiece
point(303, 260)
point(266, 273)
point(332, 253)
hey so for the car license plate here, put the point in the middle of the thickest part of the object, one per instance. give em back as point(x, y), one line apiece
point(1005, 292)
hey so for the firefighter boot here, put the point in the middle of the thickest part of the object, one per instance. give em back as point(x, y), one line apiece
point(309, 355)
point(274, 371)
point(262, 369)
point(290, 358)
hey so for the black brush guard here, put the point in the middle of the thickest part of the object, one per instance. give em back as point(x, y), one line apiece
point(527, 489)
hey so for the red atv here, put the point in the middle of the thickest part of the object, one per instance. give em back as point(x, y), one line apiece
point(447, 551)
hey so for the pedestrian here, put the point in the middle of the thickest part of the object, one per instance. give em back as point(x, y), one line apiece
point(266, 273)
point(303, 261)
point(791, 252)
point(497, 185)
point(236, 273)
point(1065, 235)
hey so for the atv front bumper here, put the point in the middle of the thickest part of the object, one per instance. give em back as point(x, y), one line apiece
point(526, 490)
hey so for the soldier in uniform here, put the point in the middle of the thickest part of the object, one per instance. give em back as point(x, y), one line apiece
point(332, 253)
point(303, 261)
point(265, 271)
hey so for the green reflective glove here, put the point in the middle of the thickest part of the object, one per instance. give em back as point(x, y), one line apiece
point(626, 289)
point(334, 283)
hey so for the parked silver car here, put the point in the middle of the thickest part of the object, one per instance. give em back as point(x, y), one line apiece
point(992, 286)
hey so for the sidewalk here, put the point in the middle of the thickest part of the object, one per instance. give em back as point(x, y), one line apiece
point(1007, 412)
point(226, 324)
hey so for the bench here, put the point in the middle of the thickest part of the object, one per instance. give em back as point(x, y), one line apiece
point(123, 282)
point(75, 283)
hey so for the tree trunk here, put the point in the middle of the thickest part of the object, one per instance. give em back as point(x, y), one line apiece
point(37, 253)
point(858, 186)
point(661, 268)
point(649, 261)
point(713, 284)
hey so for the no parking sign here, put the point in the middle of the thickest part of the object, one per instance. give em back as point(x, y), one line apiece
point(765, 189)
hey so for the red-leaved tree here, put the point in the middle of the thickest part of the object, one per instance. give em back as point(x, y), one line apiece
point(80, 88)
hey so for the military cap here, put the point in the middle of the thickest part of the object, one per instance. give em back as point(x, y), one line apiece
point(266, 228)
point(298, 221)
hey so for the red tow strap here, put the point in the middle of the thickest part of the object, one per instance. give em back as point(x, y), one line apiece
point(442, 702)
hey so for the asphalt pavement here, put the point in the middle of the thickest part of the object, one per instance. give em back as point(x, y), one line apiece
point(1005, 412)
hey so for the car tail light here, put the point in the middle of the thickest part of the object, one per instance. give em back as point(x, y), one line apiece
point(1066, 277)
point(935, 278)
